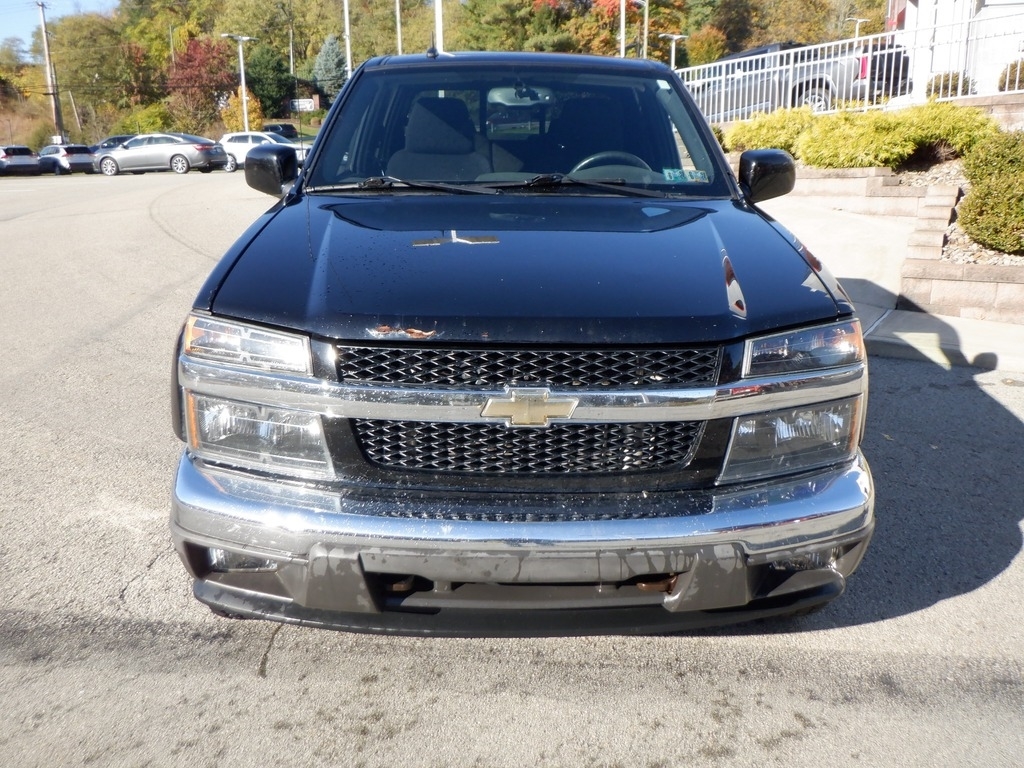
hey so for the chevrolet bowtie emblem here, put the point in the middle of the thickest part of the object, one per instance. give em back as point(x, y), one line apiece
point(529, 407)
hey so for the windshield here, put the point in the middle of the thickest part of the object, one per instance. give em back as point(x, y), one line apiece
point(504, 125)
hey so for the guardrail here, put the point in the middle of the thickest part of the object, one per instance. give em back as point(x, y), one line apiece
point(976, 57)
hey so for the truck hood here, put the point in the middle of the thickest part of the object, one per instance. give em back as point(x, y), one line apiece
point(518, 268)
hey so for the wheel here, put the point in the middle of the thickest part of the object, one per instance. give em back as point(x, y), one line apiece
point(108, 166)
point(610, 158)
point(179, 164)
point(818, 99)
point(232, 164)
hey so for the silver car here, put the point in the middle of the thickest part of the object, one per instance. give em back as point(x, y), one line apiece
point(179, 152)
point(237, 145)
point(65, 158)
point(18, 159)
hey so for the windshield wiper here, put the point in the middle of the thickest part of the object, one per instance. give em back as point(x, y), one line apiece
point(551, 180)
point(391, 182)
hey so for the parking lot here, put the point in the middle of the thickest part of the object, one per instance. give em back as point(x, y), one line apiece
point(106, 659)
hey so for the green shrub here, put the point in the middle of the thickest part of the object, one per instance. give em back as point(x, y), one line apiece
point(948, 84)
point(1012, 78)
point(945, 130)
point(719, 135)
point(779, 129)
point(992, 213)
point(856, 140)
point(1001, 153)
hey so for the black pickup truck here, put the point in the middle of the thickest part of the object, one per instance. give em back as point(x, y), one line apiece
point(517, 353)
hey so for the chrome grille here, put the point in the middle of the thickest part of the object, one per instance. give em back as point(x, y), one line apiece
point(559, 449)
point(496, 367)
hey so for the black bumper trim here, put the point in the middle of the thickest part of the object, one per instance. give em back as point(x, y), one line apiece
point(646, 620)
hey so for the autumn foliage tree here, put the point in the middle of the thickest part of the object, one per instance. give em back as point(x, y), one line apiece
point(199, 83)
point(706, 45)
point(233, 113)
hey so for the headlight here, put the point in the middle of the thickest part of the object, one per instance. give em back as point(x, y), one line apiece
point(233, 343)
point(793, 440)
point(257, 437)
point(809, 349)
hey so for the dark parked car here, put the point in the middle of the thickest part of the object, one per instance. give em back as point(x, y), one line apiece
point(65, 158)
point(562, 379)
point(282, 129)
point(16, 160)
point(111, 142)
point(178, 152)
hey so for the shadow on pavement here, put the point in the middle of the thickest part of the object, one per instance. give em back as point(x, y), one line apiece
point(946, 460)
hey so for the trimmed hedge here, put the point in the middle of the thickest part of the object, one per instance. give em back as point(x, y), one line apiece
point(947, 84)
point(777, 130)
point(934, 131)
point(856, 140)
point(992, 213)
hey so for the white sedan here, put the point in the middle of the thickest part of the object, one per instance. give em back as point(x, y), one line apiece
point(237, 145)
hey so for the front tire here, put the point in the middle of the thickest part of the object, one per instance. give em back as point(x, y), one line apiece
point(108, 166)
point(818, 99)
point(232, 164)
point(179, 164)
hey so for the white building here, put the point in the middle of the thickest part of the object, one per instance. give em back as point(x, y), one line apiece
point(979, 38)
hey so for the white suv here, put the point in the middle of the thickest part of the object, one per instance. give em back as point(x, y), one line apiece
point(237, 145)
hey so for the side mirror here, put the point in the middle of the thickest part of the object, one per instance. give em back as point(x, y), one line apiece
point(270, 168)
point(766, 173)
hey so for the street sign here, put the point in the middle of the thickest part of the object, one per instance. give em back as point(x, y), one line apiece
point(302, 105)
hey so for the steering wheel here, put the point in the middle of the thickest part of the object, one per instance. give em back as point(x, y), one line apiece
point(610, 158)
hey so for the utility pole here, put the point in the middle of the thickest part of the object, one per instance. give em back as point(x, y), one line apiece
point(51, 80)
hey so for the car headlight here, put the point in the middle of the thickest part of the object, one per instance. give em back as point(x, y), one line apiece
point(806, 437)
point(244, 434)
point(223, 341)
point(793, 440)
point(256, 436)
point(809, 349)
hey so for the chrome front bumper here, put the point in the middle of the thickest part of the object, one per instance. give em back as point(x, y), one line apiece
point(394, 562)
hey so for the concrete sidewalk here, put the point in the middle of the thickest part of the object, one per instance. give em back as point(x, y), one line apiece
point(866, 253)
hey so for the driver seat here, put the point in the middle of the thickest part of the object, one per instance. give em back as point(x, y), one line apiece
point(585, 127)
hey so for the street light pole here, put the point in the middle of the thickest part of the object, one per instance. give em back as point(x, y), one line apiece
point(241, 69)
point(675, 39)
point(857, 22)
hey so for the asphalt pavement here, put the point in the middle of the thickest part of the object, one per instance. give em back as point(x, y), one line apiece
point(866, 253)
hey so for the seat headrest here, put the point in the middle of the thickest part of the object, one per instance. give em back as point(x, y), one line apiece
point(439, 126)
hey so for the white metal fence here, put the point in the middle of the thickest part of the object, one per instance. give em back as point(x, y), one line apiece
point(976, 57)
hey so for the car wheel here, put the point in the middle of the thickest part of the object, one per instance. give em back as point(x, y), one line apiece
point(108, 166)
point(232, 164)
point(818, 99)
point(179, 164)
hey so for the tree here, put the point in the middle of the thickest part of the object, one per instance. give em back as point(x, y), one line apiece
point(266, 75)
point(201, 80)
point(233, 114)
point(707, 45)
point(86, 52)
point(329, 68)
point(736, 19)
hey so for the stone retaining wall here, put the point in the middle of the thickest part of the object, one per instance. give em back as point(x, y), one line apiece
point(928, 284)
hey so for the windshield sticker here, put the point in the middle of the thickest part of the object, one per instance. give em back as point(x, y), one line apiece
point(678, 174)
